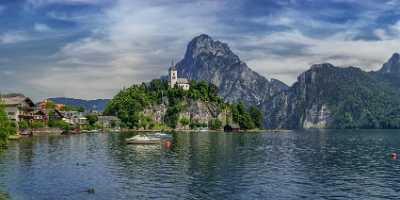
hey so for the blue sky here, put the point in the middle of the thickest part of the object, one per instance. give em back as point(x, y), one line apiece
point(92, 48)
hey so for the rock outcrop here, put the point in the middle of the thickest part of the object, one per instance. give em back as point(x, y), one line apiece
point(196, 111)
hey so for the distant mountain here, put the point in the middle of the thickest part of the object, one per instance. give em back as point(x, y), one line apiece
point(390, 72)
point(98, 104)
point(392, 67)
point(326, 96)
point(213, 61)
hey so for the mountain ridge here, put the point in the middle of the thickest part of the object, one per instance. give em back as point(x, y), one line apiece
point(96, 104)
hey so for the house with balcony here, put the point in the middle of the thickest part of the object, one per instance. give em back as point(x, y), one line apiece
point(18, 106)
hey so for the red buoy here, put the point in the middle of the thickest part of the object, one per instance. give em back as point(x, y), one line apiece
point(167, 144)
point(393, 155)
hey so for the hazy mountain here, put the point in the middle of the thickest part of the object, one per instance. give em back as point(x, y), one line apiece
point(213, 61)
point(98, 104)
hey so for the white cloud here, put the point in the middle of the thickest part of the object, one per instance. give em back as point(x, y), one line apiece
point(41, 27)
point(134, 42)
point(336, 49)
point(13, 37)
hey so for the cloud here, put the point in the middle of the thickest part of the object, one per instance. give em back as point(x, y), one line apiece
point(13, 37)
point(134, 42)
point(40, 3)
point(336, 49)
point(41, 27)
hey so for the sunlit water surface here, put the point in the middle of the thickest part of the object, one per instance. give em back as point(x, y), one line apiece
point(287, 165)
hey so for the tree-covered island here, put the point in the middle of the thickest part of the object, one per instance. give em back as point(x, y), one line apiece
point(155, 105)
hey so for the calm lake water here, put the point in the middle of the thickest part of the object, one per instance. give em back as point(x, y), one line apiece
point(288, 165)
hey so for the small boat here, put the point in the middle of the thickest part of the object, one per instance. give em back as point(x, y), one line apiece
point(160, 135)
point(143, 139)
point(203, 130)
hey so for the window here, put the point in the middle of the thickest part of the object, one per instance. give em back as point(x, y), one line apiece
point(11, 113)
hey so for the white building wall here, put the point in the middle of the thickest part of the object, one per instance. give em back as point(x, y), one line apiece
point(12, 112)
point(173, 78)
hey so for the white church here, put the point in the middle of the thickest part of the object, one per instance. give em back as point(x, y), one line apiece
point(175, 81)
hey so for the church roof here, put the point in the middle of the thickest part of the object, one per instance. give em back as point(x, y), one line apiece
point(182, 81)
point(173, 67)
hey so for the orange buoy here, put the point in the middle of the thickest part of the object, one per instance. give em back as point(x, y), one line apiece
point(167, 144)
point(393, 155)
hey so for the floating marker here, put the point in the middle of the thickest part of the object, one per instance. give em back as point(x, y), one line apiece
point(393, 155)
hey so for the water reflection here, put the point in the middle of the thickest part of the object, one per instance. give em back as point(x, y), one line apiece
point(288, 165)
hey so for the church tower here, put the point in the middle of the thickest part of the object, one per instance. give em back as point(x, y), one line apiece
point(173, 75)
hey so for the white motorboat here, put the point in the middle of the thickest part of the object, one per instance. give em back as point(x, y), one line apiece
point(160, 135)
point(143, 139)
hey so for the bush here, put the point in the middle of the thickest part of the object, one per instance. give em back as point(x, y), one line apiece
point(92, 119)
point(194, 125)
point(38, 124)
point(59, 124)
point(184, 121)
point(23, 124)
point(171, 117)
point(146, 122)
point(215, 124)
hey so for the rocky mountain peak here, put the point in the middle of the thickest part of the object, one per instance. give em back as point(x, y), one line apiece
point(392, 66)
point(213, 61)
point(204, 45)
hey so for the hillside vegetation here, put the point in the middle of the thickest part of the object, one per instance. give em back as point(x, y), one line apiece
point(140, 105)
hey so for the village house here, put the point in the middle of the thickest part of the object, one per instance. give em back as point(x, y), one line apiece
point(74, 118)
point(18, 107)
point(108, 121)
point(174, 80)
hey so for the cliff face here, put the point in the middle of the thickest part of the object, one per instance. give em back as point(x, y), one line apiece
point(213, 61)
point(196, 111)
point(302, 105)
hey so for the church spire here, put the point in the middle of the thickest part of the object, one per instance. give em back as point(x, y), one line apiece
point(173, 66)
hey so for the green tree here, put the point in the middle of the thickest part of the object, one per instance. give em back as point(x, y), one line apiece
point(146, 122)
point(6, 126)
point(59, 124)
point(23, 124)
point(81, 109)
point(172, 116)
point(257, 117)
point(184, 121)
point(92, 119)
point(215, 124)
point(38, 124)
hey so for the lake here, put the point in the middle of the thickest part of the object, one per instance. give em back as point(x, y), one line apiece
point(325, 164)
